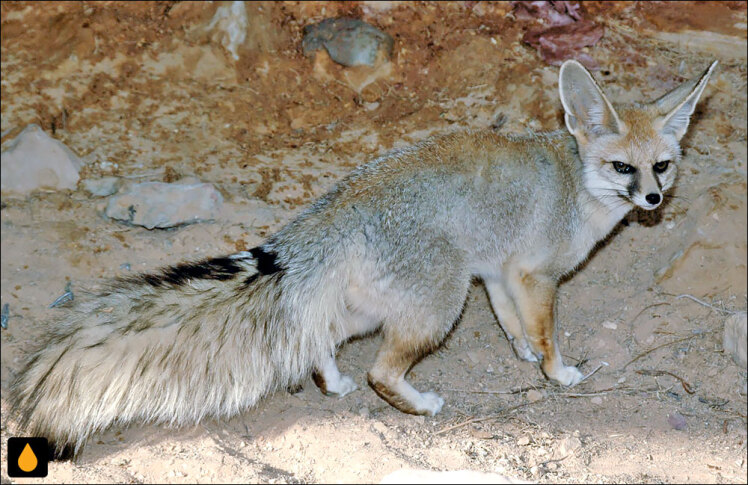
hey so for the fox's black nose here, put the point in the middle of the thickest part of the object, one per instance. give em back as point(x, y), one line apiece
point(653, 198)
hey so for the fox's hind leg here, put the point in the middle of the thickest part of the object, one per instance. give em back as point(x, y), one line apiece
point(408, 336)
point(506, 313)
point(418, 306)
point(535, 297)
point(330, 381)
point(396, 356)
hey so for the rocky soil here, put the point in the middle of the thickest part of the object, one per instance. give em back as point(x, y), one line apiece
point(167, 92)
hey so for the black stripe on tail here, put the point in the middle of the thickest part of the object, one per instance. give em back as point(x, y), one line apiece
point(267, 263)
point(208, 269)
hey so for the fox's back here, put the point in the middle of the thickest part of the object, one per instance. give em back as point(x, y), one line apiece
point(486, 193)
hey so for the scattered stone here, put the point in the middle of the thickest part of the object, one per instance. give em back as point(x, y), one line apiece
point(472, 356)
point(102, 187)
point(609, 325)
point(364, 412)
point(677, 421)
point(160, 205)
point(349, 41)
point(569, 446)
point(735, 338)
point(596, 400)
point(534, 395)
point(34, 160)
point(523, 441)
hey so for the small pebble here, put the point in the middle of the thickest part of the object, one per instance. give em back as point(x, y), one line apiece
point(596, 400)
point(610, 325)
point(523, 441)
point(534, 395)
point(677, 421)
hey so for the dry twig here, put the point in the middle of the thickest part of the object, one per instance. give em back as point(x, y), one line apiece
point(701, 302)
point(655, 372)
point(519, 390)
point(664, 345)
point(485, 418)
point(646, 308)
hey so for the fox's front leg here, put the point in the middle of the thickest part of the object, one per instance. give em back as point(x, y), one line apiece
point(534, 297)
point(506, 313)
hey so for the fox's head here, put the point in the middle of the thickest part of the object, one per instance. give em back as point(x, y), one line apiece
point(628, 152)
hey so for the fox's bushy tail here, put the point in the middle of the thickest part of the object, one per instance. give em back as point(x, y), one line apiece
point(194, 340)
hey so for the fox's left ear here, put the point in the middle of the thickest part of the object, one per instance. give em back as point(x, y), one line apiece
point(588, 113)
point(677, 106)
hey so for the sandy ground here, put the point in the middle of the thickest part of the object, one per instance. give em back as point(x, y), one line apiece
point(144, 92)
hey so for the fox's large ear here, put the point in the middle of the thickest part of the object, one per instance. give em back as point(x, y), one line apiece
point(589, 114)
point(677, 106)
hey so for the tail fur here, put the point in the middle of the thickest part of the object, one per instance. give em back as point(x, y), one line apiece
point(191, 341)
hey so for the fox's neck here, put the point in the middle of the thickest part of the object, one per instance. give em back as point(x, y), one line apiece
point(600, 210)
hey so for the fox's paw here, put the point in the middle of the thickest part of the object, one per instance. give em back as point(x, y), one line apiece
point(341, 387)
point(523, 350)
point(346, 385)
point(335, 384)
point(431, 403)
point(567, 375)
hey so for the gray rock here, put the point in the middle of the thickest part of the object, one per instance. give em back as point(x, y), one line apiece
point(160, 205)
point(735, 337)
point(102, 187)
point(350, 42)
point(34, 160)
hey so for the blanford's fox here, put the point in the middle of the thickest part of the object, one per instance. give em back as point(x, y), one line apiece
point(393, 246)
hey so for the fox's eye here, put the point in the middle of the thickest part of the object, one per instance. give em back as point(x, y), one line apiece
point(660, 167)
point(623, 167)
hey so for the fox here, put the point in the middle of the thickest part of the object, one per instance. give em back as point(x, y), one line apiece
point(392, 247)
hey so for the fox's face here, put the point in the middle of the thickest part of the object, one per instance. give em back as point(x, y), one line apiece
point(630, 153)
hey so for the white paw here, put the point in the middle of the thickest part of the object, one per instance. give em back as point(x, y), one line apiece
point(567, 375)
point(345, 385)
point(431, 403)
point(523, 350)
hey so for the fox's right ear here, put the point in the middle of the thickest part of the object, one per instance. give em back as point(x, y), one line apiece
point(677, 106)
point(589, 114)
